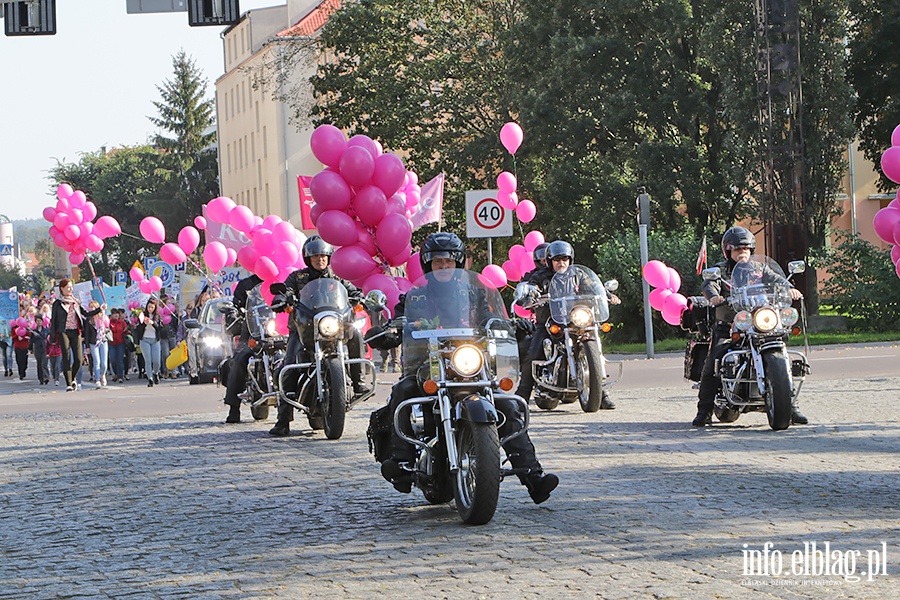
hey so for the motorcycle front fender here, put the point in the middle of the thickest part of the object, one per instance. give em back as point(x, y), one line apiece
point(476, 409)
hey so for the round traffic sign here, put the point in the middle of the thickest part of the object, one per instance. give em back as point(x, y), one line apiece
point(489, 214)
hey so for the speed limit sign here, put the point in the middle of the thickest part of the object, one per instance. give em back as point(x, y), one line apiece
point(485, 217)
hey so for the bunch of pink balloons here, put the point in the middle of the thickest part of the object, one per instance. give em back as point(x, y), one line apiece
point(887, 227)
point(665, 298)
point(21, 325)
point(73, 229)
point(148, 285)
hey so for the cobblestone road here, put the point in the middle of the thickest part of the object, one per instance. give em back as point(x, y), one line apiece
point(184, 506)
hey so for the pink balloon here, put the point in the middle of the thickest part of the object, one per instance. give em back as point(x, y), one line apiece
point(367, 143)
point(107, 227)
point(241, 218)
point(895, 136)
point(76, 216)
point(93, 243)
point(896, 232)
point(390, 174)
point(22, 322)
point(657, 274)
point(504, 199)
point(511, 136)
point(884, 222)
point(511, 270)
point(658, 297)
point(327, 144)
point(393, 234)
point(336, 227)
point(396, 260)
point(521, 311)
point(403, 284)
point(532, 240)
point(200, 223)
point(370, 204)
point(266, 268)
point(64, 191)
point(315, 211)
point(506, 182)
point(172, 254)
point(395, 204)
point(155, 283)
point(21, 331)
point(525, 262)
point(72, 232)
point(219, 208)
point(671, 318)
point(215, 256)
point(61, 220)
point(271, 221)
point(378, 281)
point(281, 323)
point(136, 274)
point(526, 211)
point(77, 199)
point(674, 304)
point(49, 213)
point(283, 232)
point(89, 211)
point(166, 318)
point(352, 262)
point(330, 191)
point(145, 287)
point(247, 257)
point(895, 254)
point(495, 275)
point(76, 258)
point(285, 254)
point(357, 166)
point(153, 230)
point(414, 268)
point(188, 239)
point(516, 252)
point(895, 203)
point(674, 280)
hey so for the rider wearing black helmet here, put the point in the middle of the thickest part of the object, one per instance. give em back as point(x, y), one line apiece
point(441, 255)
point(317, 254)
point(738, 244)
point(560, 256)
point(540, 261)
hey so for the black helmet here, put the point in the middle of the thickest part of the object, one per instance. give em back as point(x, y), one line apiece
point(560, 248)
point(442, 244)
point(540, 251)
point(737, 237)
point(315, 245)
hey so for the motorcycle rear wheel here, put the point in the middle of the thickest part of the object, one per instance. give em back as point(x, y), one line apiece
point(334, 404)
point(779, 393)
point(589, 379)
point(477, 489)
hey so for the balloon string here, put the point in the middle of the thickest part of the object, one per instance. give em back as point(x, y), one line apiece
point(200, 269)
point(94, 277)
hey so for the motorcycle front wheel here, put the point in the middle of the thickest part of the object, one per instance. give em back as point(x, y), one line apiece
point(334, 402)
point(478, 479)
point(588, 369)
point(779, 393)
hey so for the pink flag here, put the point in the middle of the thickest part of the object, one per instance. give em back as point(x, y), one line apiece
point(306, 201)
point(429, 208)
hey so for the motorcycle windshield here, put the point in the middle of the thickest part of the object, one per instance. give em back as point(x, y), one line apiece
point(450, 307)
point(577, 286)
point(258, 313)
point(324, 294)
point(759, 282)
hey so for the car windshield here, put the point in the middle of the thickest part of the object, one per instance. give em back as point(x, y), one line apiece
point(211, 314)
point(577, 286)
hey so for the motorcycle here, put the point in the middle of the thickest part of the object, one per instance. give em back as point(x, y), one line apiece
point(461, 372)
point(268, 352)
point(574, 367)
point(758, 372)
point(319, 385)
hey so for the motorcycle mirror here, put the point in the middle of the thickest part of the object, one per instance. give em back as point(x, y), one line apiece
point(796, 266)
point(278, 288)
point(376, 300)
point(712, 273)
point(226, 307)
point(611, 285)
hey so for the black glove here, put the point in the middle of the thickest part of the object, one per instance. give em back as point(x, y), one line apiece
point(279, 303)
point(524, 328)
point(382, 338)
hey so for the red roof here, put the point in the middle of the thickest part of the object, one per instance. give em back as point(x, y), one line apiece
point(312, 22)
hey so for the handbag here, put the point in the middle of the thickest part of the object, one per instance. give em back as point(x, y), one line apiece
point(108, 335)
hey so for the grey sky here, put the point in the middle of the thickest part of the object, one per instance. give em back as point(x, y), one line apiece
point(90, 85)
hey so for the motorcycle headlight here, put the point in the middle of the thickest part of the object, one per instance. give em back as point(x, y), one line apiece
point(270, 328)
point(789, 316)
point(765, 319)
point(581, 317)
point(329, 326)
point(743, 320)
point(212, 342)
point(467, 360)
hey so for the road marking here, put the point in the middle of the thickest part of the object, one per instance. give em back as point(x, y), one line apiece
point(856, 357)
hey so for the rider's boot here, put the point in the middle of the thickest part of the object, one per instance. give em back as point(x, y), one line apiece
point(706, 400)
point(392, 469)
point(797, 417)
point(234, 414)
point(540, 485)
point(606, 403)
point(285, 416)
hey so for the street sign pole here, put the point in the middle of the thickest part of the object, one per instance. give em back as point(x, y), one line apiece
point(643, 212)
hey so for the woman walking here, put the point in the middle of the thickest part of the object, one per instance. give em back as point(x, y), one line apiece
point(148, 332)
point(67, 327)
point(21, 337)
point(97, 336)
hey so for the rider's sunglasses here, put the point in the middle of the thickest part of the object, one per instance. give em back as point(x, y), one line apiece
point(560, 258)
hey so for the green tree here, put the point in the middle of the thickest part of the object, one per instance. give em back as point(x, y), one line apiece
point(187, 171)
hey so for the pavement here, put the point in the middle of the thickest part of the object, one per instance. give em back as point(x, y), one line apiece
point(136, 492)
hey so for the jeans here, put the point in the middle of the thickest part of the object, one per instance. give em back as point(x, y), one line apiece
point(6, 351)
point(99, 353)
point(150, 352)
point(117, 359)
point(55, 367)
point(164, 349)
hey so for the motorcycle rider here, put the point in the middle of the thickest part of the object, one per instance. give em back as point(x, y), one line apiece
point(560, 255)
point(237, 369)
point(441, 254)
point(317, 255)
point(540, 261)
point(738, 244)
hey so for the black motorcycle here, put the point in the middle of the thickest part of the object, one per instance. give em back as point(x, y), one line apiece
point(454, 423)
point(319, 384)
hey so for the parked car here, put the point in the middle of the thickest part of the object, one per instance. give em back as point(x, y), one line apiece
point(208, 343)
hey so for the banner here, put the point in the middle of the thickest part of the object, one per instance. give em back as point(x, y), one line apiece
point(9, 308)
point(115, 296)
point(306, 202)
point(133, 294)
point(228, 235)
point(429, 209)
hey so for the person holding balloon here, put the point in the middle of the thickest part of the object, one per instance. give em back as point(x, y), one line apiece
point(738, 244)
point(67, 322)
point(147, 333)
point(21, 339)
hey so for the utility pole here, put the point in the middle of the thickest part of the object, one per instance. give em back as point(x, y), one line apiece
point(643, 212)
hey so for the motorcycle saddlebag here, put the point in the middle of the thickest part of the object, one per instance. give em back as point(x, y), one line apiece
point(379, 432)
point(694, 357)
